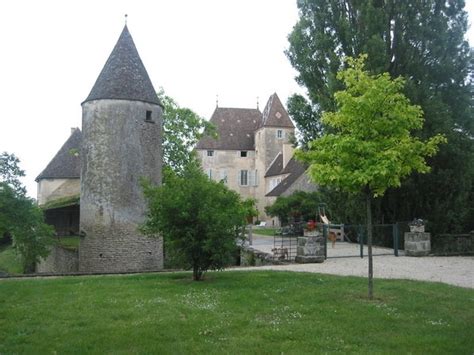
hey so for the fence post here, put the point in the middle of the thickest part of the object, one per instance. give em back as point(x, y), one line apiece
point(325, 235)
point(395, 239)
point(361, 241)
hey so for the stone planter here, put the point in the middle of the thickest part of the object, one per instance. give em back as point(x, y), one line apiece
point(417, 243)
point(310, 248)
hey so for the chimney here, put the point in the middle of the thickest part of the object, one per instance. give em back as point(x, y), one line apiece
point(287, 153)
point(73, 129)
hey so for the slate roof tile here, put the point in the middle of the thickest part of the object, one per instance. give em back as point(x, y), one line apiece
point(295, 169)
point(235, 128)
point(124, 76)
point(67, 162)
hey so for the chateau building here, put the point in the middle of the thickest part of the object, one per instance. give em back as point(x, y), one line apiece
point(253, 154)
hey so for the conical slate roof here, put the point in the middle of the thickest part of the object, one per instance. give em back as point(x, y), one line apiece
point(275, 115)
point(124, 76)
point(66, 164)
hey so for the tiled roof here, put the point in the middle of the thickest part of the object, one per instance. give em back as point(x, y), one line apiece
point(124, 76)
point(276, 166)
point(295, 169)
point(235, 128)
point(275, 115)
point(67, 162)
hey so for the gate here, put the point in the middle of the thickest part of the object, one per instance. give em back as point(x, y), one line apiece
point(285, 242)
point(351, 240)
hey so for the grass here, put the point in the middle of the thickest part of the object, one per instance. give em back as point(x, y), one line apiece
point(9, 262)
point(259, 312)
point(265, 231)
point(71, 243)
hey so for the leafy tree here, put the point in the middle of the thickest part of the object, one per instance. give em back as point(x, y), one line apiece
point(300, 205)
point(372, 147)
point(10, 172)
point(197, 217)
point(422, 41)
point(20, 217)
point(182, 129)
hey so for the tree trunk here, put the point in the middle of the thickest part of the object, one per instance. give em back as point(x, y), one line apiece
point(197, 273)
point(369, 243)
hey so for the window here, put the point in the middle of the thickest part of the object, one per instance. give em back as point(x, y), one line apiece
point(148, 117)
point(210, 153)
point(243, 153)
point(223, 176)
point(279, 133)
point(209, 173)
point(253, 178)
point(243, 178)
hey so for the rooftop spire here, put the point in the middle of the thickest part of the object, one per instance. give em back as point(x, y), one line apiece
point(126, 16)
point(124, 76)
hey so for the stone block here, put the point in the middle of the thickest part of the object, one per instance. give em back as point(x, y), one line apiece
point(417, 244)
point(309, 259)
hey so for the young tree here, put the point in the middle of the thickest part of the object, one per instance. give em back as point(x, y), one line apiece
point(423, 41)
point(372, 147)
point(197, 217)
point(20, 217)
point(182, 129)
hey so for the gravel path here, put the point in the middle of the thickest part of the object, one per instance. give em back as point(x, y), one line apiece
point(454, 270)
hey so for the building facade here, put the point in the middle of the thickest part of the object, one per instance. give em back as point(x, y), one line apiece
point(253, 153)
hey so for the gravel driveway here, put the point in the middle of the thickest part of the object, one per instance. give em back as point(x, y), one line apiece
point(454, 270)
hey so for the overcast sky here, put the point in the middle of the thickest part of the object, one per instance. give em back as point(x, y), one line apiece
point(53, 51)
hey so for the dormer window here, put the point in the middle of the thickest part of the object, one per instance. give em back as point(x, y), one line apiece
point(243, 153)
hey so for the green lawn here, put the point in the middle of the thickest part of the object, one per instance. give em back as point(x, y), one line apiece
point(265, 231)
point(71, 243)
point(232, 312)
point(9, 262)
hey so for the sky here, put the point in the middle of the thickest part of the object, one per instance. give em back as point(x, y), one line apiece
point(53, 51)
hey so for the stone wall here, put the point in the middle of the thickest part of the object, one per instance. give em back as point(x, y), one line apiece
point(60, 260)
point(51, 189)
point(453, 244)
point(121, 145)
point(253, 257)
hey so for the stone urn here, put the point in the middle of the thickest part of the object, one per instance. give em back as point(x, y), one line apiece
point(310, 248)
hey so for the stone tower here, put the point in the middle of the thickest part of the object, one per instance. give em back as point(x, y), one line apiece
point(121, 126)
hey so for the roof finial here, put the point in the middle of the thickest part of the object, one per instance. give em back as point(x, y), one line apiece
point(126, 16)
point(217, 100)
point(257, 103)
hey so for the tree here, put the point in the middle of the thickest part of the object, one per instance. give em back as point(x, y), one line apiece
point(300, 205)
point(182, 129)
point(10, 172)
point(20, 217)
point(197, 217)
point(372, 147)
point(422, 41)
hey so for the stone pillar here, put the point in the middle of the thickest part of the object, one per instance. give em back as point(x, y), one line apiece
point(417, 243)
point(310, 248)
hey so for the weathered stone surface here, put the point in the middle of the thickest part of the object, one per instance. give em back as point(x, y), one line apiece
point(60, 260)
point(120, 146)
point(453, 244)
point(309, 259)
point(417, 244)
point(310, 248)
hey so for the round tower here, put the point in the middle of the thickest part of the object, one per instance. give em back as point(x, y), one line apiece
point(121, 127)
